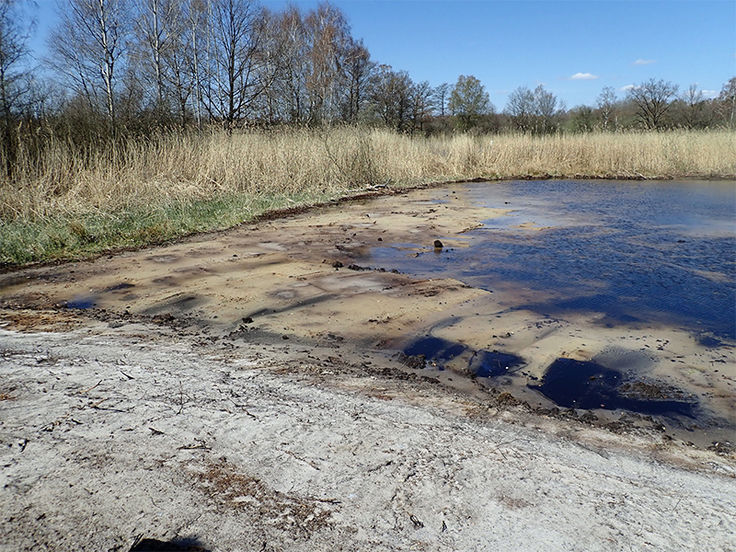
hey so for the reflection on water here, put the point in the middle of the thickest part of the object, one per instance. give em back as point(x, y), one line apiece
point(634, 251)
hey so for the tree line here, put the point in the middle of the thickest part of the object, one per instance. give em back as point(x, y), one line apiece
point(136, 67)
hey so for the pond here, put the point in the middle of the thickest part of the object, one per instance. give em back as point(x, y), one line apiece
point(634, 251)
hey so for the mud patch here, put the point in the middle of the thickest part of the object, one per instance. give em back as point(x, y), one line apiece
point(82, 302)
point(121, 286)
point(179, 303)
point(163, 258)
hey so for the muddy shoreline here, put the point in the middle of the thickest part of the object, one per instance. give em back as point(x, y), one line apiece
point(312, 277)
point(260, 375)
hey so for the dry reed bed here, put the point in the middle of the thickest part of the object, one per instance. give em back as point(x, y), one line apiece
point(191, 168)
point(239, 176)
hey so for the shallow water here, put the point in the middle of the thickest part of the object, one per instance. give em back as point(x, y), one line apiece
point(633, 251)
point(587, 384)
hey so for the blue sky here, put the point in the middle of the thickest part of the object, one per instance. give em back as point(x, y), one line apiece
point(574, 48)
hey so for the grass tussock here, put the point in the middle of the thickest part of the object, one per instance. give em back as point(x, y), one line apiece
point(66, 205)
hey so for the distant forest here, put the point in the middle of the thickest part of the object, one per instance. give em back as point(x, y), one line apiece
point(122, 68)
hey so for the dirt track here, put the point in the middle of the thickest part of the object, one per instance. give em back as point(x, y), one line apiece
point(233, 392)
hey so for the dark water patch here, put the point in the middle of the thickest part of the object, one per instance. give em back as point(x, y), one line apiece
point(435, 348)
point(491, 364)
point(86, 302)
point(709, 341)
point(438, 352)
point(589, 385)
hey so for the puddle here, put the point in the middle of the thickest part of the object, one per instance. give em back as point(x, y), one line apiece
point(437, 352)
point(492, 364)
point(83, 303)
point(588, 385)
point(436, 349)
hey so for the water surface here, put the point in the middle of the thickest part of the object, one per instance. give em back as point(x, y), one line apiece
point(637, 252)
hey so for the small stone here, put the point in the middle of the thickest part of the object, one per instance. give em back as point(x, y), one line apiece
point(438, 244)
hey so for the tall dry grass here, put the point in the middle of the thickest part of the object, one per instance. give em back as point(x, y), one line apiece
point(190, 168)
point(176, 184)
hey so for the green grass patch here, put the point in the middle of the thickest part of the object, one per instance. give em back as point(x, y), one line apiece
point(77, 237)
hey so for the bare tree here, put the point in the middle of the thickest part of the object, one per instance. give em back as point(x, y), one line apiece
point(420, 104)
point(321, 73)
point(358, 70)
point(391, 97)
point(88, 45)
point(329, 36)
point(606, 103)
point(184, 32)
point(521, 108)
point(195, 40)
point(234, 46)
point(287, 99)
point(545, 109)
point(726, 103)
point(582, 118)
point(692, 107)
point(441, 97)
point(157, 33)
point(652, 100)
point(13, 76)
point(237, 73)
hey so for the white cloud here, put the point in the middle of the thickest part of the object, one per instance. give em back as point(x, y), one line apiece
point(644, 62)
point(584, 76)
point(628, 87)
point(710, 94)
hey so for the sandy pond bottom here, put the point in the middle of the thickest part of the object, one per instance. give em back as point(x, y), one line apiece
point(326, 303)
